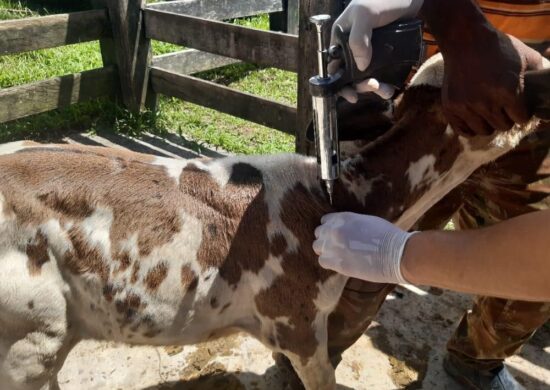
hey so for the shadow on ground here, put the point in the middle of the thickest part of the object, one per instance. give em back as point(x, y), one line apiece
point(169, 145)
point(235, 381)
point(413, 327)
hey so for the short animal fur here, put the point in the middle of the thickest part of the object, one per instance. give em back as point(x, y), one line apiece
point(112, 245)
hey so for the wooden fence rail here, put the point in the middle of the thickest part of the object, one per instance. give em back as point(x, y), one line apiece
point(261, 47)
point(58, 92)
point(191, 61)
point(240, 104)
point(44, 32)
point(125, 29)
point(219, 9)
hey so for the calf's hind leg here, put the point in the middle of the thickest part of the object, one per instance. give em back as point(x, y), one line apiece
point(34, 333)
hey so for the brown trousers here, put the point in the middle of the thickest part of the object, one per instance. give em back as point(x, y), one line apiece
point(515, 184)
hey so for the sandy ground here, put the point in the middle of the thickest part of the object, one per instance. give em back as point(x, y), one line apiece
point(403, 348)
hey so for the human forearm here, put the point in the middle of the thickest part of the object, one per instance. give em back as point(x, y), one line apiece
point(510, 259)
point(455, 24)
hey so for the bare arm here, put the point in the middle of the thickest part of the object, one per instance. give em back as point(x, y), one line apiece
point(483, 85)
point(509, 260)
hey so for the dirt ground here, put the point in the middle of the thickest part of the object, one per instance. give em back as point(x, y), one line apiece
point(402, 349)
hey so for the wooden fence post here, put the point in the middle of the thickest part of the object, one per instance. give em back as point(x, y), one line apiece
point(128, 49)
point(287, 19)
point(307, 63)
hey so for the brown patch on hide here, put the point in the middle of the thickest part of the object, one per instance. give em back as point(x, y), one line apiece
point(68, 182)
point(214, 303)
point(6, 209)
point(74, 207)
point(124, 261)
point(238, 215)
point(156, 276)
point(301, 212)
point(85, 258)
point(225, 307)
point(364, 120)
point(189, 280)
point(152, 333)
point(135, 273)
point(102, 151)
point(37, 253)
point(109, 291)
point(419, 131)
point(278, 245)
point(129, 307)
point(21, 205)
point(132, 301)
point(27, 143)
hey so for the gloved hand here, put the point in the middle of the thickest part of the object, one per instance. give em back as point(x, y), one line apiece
point(362, 16)
point(359, 18)
point(361, 246)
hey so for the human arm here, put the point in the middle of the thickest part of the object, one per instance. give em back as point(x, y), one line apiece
point(483, 86)
point(508, 260)
point(483, 83)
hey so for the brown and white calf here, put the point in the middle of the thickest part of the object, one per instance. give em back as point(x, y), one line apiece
point(112, 245)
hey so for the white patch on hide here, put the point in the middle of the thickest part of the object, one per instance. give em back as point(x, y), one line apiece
point(3, 216)
point(220, 170)
point(97, 227)
point(13, 147)
point(58, 241)
point(329, 292)
point(130, 246)
point(325, 302)
point(422, 172)
point(360, 187)
point(466, 163)
point(181, 250)
point(430, 73)
point(265, 277)
point(173, 167)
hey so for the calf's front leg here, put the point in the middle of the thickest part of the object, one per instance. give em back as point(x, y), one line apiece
point(316, 371)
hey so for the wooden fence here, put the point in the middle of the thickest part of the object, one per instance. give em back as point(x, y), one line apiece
point(125, 29)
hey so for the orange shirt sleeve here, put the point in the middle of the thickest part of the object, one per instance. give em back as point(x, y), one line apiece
point(528, 20)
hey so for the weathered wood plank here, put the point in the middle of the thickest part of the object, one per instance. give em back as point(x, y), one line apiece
point(106, 44)
point(132, 49)
point(219, 9)
point(287, 19)
point(251, 45)
point(240, 104)
point(292, 16)
point(29, 99)
point(307, 63)
point(51, 31)
point(191, 61)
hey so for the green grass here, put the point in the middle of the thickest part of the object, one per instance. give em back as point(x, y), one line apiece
point(190, 121)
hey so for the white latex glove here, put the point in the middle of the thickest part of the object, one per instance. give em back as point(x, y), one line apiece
point(359, 18)
point(361, 246)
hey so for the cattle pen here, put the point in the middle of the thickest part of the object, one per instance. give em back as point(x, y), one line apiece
point(133, 77)
point(406, 343)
